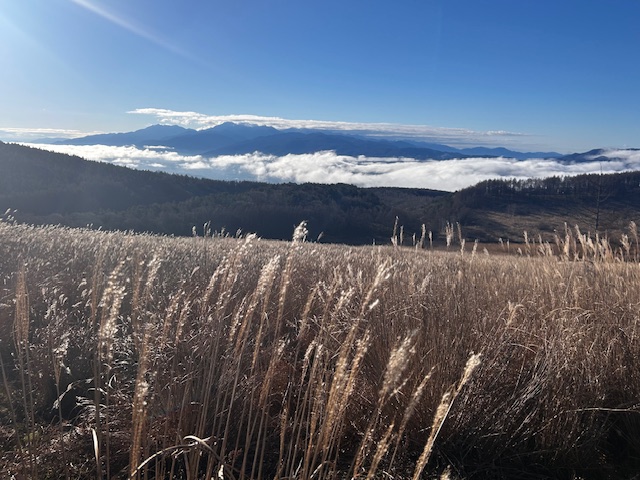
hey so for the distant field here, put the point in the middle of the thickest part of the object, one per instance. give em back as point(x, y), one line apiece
point(155, 357)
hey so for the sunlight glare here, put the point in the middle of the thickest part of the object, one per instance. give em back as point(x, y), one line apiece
point(135, 29)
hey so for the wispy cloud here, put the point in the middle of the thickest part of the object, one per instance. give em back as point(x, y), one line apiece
point(627, 157)
point(450, 136)
point(328, 167)
point(23, 133)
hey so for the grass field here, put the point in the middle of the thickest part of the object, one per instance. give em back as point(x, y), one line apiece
point(137, 356)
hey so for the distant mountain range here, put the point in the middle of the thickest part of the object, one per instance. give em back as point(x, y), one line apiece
point(236, 139)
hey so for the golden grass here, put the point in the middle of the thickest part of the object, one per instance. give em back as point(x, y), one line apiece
point(136, 356)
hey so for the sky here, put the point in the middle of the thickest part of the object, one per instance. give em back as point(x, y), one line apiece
point(532, 75)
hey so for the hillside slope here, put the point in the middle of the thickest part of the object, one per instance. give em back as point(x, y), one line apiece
point(50, 188)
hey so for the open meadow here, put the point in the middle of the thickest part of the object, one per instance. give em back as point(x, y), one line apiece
point(151, 357)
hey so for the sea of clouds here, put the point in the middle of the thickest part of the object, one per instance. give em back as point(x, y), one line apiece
point(328, 167)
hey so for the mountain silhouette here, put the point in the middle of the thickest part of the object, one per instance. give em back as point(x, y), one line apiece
point(152, 135)
point(236, 139)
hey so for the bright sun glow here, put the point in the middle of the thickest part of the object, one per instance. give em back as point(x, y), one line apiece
point(135, 29)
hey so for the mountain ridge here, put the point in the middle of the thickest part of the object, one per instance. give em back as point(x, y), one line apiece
point(231, 138)
point(144, 135)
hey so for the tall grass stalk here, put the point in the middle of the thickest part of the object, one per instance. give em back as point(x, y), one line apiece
point(239, 358)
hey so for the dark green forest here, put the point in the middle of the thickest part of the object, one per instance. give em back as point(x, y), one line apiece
point(41, 187)
point(51, 188)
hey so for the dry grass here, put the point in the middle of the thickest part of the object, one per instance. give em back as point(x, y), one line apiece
point(133, 356)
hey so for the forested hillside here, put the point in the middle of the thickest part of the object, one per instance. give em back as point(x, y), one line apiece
point(597, 203)
point(51, 188)
point(47, 188)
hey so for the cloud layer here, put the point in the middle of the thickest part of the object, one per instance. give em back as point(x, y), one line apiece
point(10, 134)
point(328, 167)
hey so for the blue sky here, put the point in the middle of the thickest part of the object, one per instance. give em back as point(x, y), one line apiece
point(563, 75)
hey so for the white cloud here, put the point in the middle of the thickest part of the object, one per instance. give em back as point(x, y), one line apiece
point(328, 167)
point(25, 133)
point(629, 157)
point(450, 136)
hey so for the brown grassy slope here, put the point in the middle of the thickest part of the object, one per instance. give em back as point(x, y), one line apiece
point(255, 359)
point(510, 221)
point(505, 208)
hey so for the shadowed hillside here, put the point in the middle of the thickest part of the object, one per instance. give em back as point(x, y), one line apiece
point(506, 208)
point(51, 188)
